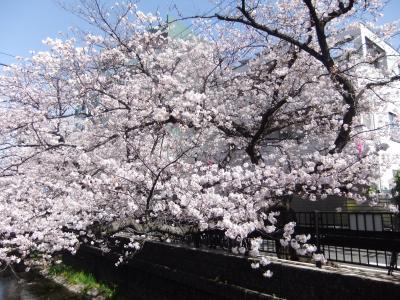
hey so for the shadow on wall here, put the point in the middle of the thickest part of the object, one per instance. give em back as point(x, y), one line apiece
point(165, 271)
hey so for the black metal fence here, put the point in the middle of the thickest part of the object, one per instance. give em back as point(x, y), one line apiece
point(362, 238)
point(353, 221)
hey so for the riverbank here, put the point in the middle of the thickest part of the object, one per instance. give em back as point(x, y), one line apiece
point(170, 271)
point(32, 286)
point(59, 282)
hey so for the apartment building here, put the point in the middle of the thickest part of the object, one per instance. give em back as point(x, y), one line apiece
point(383, 117)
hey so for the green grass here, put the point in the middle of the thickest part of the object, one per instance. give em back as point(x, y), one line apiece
point(88, 281)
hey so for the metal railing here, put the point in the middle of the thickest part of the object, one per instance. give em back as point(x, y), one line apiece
point(362, 238)
point(353, 221)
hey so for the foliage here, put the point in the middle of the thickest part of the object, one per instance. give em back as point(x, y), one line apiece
point(87, 280)
point(397, 184)
point(394, 207)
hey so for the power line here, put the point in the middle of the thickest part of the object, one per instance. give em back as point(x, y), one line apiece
point(217, 20)
point(7, 54)
point(205, 14)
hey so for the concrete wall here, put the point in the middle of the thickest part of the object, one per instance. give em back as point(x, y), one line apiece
point(165, 271)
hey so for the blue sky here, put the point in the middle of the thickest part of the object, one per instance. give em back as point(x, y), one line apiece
point(25, 23)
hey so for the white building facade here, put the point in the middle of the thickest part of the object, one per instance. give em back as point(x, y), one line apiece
point(385, 116)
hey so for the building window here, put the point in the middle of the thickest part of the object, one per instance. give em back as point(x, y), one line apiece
point(393, 121)
point(376, 53)
point(367, 121)
point(394, 127)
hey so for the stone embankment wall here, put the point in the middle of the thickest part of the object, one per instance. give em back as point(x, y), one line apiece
point(166, 271)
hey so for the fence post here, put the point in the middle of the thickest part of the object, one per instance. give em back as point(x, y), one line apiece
point(394, 254)
point(196, 239)
point(317, 237)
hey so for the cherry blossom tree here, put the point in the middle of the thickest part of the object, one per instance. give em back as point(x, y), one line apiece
point(132, 128)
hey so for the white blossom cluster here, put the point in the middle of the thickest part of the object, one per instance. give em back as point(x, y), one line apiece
point(136, 127)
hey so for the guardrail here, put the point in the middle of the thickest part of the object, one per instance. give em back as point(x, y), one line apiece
point(362, 238)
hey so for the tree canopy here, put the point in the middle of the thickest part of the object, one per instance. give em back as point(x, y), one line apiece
point(168, 136)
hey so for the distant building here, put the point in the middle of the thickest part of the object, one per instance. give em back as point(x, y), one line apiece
point(385, 116)
point(386, 62)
